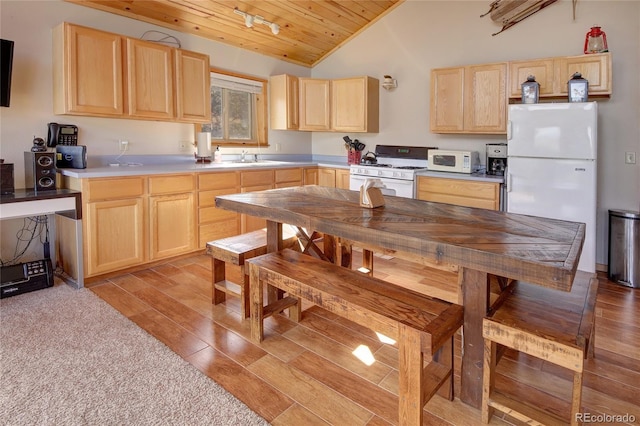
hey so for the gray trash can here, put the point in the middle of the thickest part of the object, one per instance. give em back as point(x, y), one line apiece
point(624, 247)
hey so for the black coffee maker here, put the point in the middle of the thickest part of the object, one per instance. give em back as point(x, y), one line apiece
point(496, 159)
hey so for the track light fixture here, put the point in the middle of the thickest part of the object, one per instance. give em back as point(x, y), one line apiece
point(249, 20)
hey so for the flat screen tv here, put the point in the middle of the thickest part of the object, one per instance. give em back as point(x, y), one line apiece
point(6, 65)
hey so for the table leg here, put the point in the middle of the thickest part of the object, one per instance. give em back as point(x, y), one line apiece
point(475, 296)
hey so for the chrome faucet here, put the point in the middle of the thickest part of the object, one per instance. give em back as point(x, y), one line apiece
point(242, 155)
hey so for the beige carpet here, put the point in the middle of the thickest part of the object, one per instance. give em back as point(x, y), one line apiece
point(68, 358)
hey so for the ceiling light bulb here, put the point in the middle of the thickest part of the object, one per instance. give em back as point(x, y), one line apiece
point(248, 20)
point(275, 28)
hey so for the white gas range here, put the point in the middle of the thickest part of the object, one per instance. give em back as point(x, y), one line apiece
point(396, 166)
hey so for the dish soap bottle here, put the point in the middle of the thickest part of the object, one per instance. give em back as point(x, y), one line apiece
point(217, 155)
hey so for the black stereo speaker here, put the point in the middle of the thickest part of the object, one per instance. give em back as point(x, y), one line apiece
point(6, 186)
point(40, 170)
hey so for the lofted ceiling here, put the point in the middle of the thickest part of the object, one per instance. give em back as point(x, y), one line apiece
point(309, 30)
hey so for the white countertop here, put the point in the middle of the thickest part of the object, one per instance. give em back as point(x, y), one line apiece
point(481, 177)
point(153, 168)
point(137, 169)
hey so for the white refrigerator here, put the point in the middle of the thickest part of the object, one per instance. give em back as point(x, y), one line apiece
point(551, 165)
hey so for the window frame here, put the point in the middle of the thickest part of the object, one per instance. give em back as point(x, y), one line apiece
point(260, 117)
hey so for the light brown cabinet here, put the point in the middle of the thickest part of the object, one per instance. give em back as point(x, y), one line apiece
point(214, 223)
point(193, 94)
point(315, 104)
point(469, 99)
point(340, 105)
point(87, 72)
point(460, 192)
point(311, 176)
point(172, 215)
point(553, 74)
point(101, 74)
point(355, 105)
point(334, 178)
point(149, 80)
point(283, 102)
point(285, 178)
point(250, 181)
point(113, 223)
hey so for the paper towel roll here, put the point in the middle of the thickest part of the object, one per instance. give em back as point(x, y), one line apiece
point(204, 144)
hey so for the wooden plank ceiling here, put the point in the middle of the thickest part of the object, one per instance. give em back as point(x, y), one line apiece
point(309, 30)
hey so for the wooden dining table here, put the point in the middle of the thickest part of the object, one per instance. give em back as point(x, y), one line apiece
point(481, 243)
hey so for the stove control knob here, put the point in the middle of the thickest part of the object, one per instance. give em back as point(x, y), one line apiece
point(380, 173)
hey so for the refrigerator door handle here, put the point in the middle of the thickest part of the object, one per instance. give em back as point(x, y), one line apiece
point(509, 124)
point(508, 182)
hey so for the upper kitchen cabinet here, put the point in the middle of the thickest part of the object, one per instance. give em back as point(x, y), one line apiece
point(595, 68)
point(101, 74)
point(469, 99)
point(355, 105)
point(315, 104)
point(553, 74)
point(87, 72)
point(150, 80)
point(193, 87)
point(541, 69)
point(283, 102)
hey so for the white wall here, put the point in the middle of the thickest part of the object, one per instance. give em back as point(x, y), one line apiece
point(407, 43)
point(29, 24)
point(420, 35)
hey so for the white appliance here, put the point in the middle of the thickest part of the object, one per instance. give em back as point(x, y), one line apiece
point(395, 166)
point(454, 161)
point(551, 167)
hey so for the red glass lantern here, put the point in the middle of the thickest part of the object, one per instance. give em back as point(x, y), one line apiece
point(595, 41)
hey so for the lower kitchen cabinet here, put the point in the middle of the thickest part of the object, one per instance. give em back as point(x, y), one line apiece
point(250, 181)
point(172, 215)
point(285, 178)
point(342, 178)
point(215, 223)
point(334, 178)
point(460, 192)
point(114, 224)
point(311, 176)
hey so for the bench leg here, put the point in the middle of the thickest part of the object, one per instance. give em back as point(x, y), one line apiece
point(367, 261)
point(410, 378)
point(576, 397)
point(217, 270)
point(445, 357)
point(257, 303)
point(245, 301)
point(488, 378)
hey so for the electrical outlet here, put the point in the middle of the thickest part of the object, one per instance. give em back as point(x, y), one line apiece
point(184, 146)
point(277, 147)
point(124, 145)
point(630, 157)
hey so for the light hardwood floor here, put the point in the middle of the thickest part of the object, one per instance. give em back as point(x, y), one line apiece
point(307, 373)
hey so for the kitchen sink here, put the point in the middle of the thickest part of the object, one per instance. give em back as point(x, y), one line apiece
point(255, 162)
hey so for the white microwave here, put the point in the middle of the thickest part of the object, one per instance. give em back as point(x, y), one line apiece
point(453, 161)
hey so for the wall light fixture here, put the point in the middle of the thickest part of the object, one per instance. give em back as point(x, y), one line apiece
point(389, 83)
point(249, 20)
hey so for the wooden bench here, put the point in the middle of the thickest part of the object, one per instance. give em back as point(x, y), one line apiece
point(422, 326)
point(235, 251)
point(555, 326)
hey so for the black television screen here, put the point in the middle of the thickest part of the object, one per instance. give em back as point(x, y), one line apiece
point(6, 64)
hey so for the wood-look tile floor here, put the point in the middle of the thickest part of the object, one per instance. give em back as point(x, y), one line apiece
point(307, 373)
